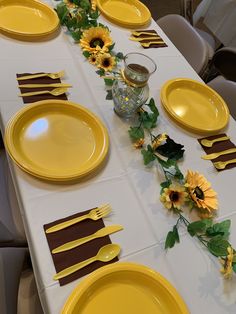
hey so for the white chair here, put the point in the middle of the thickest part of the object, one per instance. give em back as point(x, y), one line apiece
point(227, 90)
point(11, 226)
point(12, 262)
point(187, 40)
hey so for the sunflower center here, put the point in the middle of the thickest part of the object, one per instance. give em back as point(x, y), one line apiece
point(106, 63)
point(174, 196)
point(199, 193)
point(96, 42)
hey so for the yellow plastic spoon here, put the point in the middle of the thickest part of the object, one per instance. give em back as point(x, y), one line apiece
point(218, 154)
point(105, 254)
point(222, 164)
point(209, 143)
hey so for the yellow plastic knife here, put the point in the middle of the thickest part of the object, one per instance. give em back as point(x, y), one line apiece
point(100, 233)
point(44, 85)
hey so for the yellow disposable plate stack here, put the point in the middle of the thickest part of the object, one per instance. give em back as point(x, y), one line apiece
point(194, 105)
point(129, 13)
point(56, 140)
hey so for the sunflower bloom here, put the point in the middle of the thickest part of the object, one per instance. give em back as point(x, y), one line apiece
point(174, 196)
point(106, 61)
point(158, 140)
point(201, 193)
point(92, 59)
point(96, 39)
point(139, 143)
point(69, 4)
point(227, 268)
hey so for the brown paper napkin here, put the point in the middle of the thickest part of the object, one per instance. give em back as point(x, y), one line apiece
point(152, 33)
point(65, 259)
point(218, 147)
point(40, 80)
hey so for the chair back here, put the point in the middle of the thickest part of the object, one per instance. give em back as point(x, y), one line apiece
point(224, 60)
point(187, 40)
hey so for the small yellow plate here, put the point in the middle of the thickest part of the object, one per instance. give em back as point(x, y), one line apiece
point(56, 140)
point(194, 105)
point(125, 288)
point(130, 13)
point(27, 19)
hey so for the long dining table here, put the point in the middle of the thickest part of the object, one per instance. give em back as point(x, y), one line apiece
point(124, 182)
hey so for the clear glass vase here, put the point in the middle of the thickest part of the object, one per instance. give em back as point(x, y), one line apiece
point(131, 90)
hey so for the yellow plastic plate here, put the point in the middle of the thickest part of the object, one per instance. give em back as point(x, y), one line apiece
point(56, 140)
point(131, 13)
point(125, 288)
point(194, 105)
point(27, 19)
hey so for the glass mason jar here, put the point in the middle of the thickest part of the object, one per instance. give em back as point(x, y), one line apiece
point(132, 91)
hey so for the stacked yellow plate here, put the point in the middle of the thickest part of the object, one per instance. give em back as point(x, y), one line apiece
point(125, 288)
point(27, 19)
point(56, 140)
point(194, 105)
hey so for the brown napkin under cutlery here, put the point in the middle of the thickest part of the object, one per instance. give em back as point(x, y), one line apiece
point(39, 80)
point(152, 33)
point(68, 258)
point(218, 147)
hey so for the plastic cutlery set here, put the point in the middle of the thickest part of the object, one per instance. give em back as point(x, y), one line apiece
point(105, 254)
point(220, 165)
point(59, 88)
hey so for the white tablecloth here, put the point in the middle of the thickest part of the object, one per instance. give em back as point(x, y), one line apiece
point(130, 188)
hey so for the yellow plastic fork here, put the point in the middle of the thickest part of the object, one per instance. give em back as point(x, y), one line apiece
point(51, 75)
point(152, 43)
point(55, 92)
point(94, 214)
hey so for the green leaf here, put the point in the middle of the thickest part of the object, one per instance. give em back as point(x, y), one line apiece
point(120, 55)
point(76, 35)
point(62, 12)
point(148, 119)
point(86, 54)
point(84, 4)
point(111, 47)
point(94, 14)
point(234, 267)
point(109, 95)
point(101, 72)
point(172, 238)
point(221, 228)
point(153, 107)
point(200, 226)
point(136, 133)
point(164, 185)
point(171, 150)
point(148, 155)
point(176, 233)
point(218, 246)
point(108, 82)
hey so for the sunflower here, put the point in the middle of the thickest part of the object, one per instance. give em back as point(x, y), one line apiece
point(96, 39)
point(139, 143)
point(106, 61)
point(174, 196)
point(227, 268)
point(92, 59)
point(70, 4)
point(201, 193)
point(158, 140)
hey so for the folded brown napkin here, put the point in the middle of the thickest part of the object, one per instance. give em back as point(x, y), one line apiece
point(218, 147)
point(152, 33)
point(65, 259)
point(40, 80)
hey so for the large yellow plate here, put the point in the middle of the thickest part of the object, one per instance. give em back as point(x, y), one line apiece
point(194, 105)
point(131, 13)
point(56, 140)
point(27, 19)
point(125, 288)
